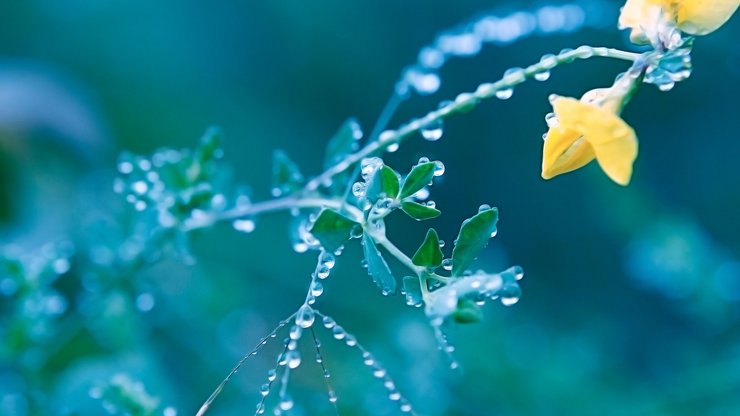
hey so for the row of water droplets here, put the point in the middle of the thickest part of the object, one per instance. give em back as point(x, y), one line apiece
point(369, 360)
point(468, 39)
point(290, 358)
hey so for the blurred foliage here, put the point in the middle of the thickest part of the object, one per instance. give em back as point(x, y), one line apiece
point(631, 301)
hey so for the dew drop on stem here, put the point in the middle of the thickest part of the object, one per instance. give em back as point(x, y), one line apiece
point(433, 131)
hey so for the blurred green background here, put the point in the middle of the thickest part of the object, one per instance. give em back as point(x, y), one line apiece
point(631, 294)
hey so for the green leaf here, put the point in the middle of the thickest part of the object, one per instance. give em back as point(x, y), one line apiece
point(210, 145)
point(419, 211)
point(332, 229)
point(286, 177)
point(343, 143)
point(377, 267)
point(473, 238)
point(467, 312)
point(412, 290)
point(418, 178)
point(429, 254)
point(385, 181)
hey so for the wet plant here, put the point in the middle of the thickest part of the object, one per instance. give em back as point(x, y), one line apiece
point(176, 192)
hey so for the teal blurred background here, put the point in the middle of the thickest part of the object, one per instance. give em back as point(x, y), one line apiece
point(631, 294)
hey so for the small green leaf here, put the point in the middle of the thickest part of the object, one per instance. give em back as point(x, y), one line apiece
point(332, 229)
point(343, 143)
point(418, 178)
point(419, 211)
point(429, 254)
point(473, 238)
point(377, 267)
point(467, 312)
point(286, 177)
point(412, 290)
point(210, 145)
point(385, 181)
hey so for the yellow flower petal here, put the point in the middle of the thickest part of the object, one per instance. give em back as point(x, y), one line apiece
point(564, 151)
point(695, 17)
point(700, 17)
point(586, 130)
point(634, 16)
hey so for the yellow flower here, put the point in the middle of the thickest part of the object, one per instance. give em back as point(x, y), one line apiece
point(647, 18)
point(587, 130)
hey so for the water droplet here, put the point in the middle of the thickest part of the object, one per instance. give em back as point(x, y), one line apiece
point(392, 147)
point(542, 75)
point(271, 375)
point(300, 247)
point(145, 302)
point(439, 168)
point(510, 293)
point(504, 94)
point(286, 403)
point(518, 272)
point(338, 332)
point(350, 340)
point(368, 358)
point(125, 167)
point(322, 272)
point(265, 390)
point(244, 225)
point(514, 76)
point(332, 396)
point(358, 189)
point(433, 131)
point(447, 264)
point(379, 372)
point(666, 86)
point(466, 102)
point(317, 289)
point(140, 187)
point(327, 259)
point(328, 322)
point(293, 358)
point(585, 51)
point(484, 207)
point(421, 194)
point(295, 332)
point(305, 317)
point(552, 120)
point(548, 61)
point(394, 395)
point(431, 57)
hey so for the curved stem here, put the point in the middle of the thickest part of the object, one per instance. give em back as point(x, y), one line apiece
point(280, 204)
point(466, 102)
point(397, 253)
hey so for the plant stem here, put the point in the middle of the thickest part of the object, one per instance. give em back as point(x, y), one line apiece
point(466, 102)
point(397, 253)
point(280, 204)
